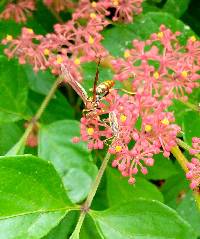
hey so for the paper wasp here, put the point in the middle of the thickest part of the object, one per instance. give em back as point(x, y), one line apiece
point(99, 91)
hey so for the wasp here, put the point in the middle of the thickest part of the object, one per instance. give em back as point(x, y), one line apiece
point(99, 91)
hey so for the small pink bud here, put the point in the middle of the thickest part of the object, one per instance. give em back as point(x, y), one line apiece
point(131, 180)
point(75, 140)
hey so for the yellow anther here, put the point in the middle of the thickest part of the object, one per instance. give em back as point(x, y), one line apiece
point(30, 30)
point(94, 4)
point(77, 61)
point(184, 74)
point(59, 59)
point(123, 118)
point(91, 40)
point(165, 121)
point(115, 2)
point(90, 131)
point(193, 38)
point(127, 54)
point(160, 35)
point(118, 148)
point(9, 38)
point(46, 52)
point(156, 75)
point(93, 15)
point(148, 128)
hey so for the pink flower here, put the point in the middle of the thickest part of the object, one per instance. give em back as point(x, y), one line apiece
point(166, 72)
point(25, 48)
point(125, 9)
point(194, 166)
point(19, 10)
point(91, 10)
point(195, 146)
point(194, 173)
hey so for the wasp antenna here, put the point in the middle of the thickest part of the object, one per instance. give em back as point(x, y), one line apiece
point(96, 80)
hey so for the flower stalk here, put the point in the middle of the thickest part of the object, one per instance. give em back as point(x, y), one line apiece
point(86, 206)
point(19, 147)
point(183, 163)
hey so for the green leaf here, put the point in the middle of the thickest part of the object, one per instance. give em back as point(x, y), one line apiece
point(163, 168)
point(119, 191)
point(176, 8)
point(9, 135)
point(191, 122)
point(57, 109)
point(33, 199)
point(119, 37)
point(13, 87)
point(173, 191)
point(190, 212)
point(41, 81)
point(65, 227)
point(69, 159)
point(89, 229)
point(142, 219)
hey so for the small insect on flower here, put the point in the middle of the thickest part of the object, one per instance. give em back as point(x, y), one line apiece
point(98, 92)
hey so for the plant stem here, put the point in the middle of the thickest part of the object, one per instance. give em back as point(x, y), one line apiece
point(183, 162)
point(37, 116)
point(180, 157)
point(185, 146)
point(191, 106)
point(88, 202)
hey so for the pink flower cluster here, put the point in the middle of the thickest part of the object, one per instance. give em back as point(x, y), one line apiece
point(118, 10)
point(72, 43)
point(194, 166)
point(161, 66)
point(138, 124)
point(18, 11)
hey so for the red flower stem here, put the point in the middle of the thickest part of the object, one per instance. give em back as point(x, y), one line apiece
point(86, 206)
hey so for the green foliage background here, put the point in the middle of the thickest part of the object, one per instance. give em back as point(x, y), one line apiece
point(39, 191)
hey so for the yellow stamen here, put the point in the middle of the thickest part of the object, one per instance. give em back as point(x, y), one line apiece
point(165, 121)
point(9, 38)
point(123, 118)
point(46, 52)
point(160, 35)
point(127, 54)
point(115, 2)
point(193, 38)
point(90, 131)
point(30, 30)
point(77, 61)
point(184, 74)
point(94, 4)
point(93, 15)
point(59, 59)
point(118, 148)
point(91, 40)
point(148, 128)
point(156, 75)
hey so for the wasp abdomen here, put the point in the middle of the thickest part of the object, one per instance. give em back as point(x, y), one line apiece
point(104, 86)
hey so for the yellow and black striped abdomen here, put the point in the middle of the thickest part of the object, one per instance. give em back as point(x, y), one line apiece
point(104, 87)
